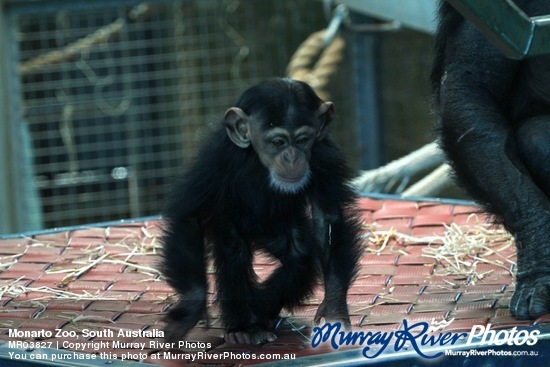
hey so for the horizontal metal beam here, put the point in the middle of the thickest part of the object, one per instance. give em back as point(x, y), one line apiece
point(515, 33)
point(18, 7)
point(420, 15)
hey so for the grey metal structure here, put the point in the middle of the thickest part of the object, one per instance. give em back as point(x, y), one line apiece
point(416, 14)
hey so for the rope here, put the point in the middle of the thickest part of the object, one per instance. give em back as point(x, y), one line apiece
point(71, 51)
point(304, 67)
point(74, 49)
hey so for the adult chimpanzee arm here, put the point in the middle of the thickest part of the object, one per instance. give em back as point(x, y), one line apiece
point(472, 83)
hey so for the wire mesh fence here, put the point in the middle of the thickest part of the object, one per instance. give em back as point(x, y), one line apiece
point(106, 101)
point(114, 98)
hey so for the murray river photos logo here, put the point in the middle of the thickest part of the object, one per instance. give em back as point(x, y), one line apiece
point(419, 336)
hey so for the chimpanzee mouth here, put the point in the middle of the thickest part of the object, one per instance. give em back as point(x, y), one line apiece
point(289, 185)
point(296, 179)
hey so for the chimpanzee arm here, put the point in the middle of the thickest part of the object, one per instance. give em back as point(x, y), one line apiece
point(183, 255)
point(478, 138)
point(184, 268)
point(338, 226)
point(342, 250)
point(234, 276)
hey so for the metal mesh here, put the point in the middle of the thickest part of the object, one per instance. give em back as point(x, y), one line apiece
point(114, 98)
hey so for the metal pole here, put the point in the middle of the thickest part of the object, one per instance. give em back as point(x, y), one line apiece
point(364, 49)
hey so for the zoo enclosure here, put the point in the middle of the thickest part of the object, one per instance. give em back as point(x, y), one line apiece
point(103, 103)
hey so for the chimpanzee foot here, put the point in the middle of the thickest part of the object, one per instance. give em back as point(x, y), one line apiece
point(531, 298)
point(182, 318)
point(254, 335)
point(333, 312)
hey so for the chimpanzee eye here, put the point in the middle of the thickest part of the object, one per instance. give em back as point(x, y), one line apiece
point(278, 142)
point(302, 141)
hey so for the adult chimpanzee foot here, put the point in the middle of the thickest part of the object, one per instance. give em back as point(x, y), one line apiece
point(531, 298)
point(254, 335)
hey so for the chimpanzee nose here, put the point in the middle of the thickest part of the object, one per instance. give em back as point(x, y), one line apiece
point(290, 155)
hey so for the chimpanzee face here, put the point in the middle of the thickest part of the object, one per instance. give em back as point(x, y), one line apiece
point(284, 150)
point(285, 153)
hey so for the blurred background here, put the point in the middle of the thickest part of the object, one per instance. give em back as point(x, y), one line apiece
point(103, 102)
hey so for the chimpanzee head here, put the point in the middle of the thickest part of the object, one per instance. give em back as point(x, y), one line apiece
point(282, 120)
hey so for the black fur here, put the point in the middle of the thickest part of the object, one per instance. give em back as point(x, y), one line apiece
point(494, 126)
point(225, 201)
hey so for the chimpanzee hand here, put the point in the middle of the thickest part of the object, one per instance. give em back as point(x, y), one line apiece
point(531, 298)
point(253, 335)
point(182, 317)
point(333, 310)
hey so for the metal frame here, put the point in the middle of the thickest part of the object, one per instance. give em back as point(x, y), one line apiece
point(16, 198)
point(366, 83)
point(516, 34)
point(52, 6)
point(19, 204)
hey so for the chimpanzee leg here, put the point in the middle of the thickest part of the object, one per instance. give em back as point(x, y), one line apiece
point(478, 139)
point(533, 141)
point(532, 295)
point(294, 279)
point(250, 309)
point(235, 279)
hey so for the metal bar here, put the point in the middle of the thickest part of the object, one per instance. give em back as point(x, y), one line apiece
point(516, 34)
point(19, 198)
point(6, 220)
point(84, 226)
point(541, 36)
point(53, 6)
point(364, 48)
point(419, 15)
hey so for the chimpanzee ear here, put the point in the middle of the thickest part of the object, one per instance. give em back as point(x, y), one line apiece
point(324, 113)
point(236, 125)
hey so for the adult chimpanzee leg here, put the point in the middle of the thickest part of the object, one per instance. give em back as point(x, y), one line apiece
point(533, 141)
point(473, 87)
